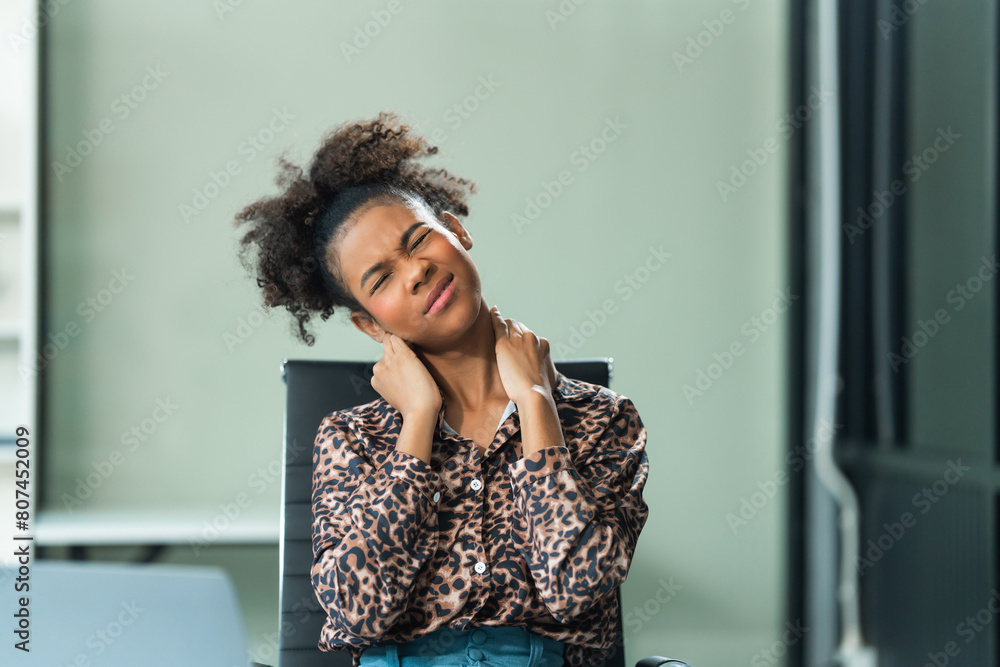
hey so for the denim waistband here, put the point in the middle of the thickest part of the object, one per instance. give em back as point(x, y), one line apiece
point(486, 646)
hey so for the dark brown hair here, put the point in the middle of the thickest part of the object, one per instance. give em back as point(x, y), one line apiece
point(356, 166)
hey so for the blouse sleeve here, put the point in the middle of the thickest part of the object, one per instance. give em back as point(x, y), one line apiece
point(373, 529)
point(583, 519)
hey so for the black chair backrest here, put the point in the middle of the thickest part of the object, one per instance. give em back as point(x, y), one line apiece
point(314, 389)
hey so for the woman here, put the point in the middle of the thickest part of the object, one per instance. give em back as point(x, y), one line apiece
point(486, 508)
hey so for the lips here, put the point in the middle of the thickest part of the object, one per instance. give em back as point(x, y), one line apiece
point(436, 292)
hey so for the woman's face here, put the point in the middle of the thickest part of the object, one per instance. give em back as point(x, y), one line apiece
point(392, 257)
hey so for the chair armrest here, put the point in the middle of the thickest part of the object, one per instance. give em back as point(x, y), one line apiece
point(657, 661)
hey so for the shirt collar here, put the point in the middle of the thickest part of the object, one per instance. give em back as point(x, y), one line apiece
point(568, 389)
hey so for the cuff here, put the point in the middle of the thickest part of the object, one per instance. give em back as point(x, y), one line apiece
point(546, 461)
point(414, 470)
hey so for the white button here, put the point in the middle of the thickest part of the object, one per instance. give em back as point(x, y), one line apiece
point(480, 567)
point(437, 496)
point(476, 485)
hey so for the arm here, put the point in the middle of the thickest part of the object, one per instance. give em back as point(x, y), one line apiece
point(582, 521)
point(373, 528)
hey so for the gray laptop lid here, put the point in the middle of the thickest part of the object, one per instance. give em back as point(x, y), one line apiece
point(123, 615)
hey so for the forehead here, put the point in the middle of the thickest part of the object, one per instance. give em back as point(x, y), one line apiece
point(381, 221)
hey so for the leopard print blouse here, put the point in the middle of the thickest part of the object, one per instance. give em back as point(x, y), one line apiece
point(402, 547)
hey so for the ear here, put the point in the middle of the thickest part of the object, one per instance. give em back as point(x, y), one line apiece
point(451, 221)
point(368, 326)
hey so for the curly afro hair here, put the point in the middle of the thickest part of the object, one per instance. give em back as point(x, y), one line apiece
point(295, 234)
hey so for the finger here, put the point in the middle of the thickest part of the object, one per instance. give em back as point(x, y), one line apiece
point(517, 328)
point(499, 324)
point(391, 347)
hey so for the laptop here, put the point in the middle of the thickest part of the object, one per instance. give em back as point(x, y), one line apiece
point(89, 614)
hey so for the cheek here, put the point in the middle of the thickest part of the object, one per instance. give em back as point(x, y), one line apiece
point(382, 306)
point(389, 305)
point(446, 247)
point(456, 257)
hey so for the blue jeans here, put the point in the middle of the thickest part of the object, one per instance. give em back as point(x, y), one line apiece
point(478, 647)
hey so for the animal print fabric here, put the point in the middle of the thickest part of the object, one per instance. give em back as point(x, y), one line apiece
point(402, 547)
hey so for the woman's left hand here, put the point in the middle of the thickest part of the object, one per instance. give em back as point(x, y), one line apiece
point(522, 358)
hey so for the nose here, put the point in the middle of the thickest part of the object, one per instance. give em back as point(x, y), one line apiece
point(418, 272)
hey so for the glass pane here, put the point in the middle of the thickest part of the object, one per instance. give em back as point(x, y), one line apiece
point(950, 178)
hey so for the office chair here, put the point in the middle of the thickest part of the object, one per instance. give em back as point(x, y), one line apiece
point(314, 389)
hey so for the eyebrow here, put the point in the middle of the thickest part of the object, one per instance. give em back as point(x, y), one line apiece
point(403, 240)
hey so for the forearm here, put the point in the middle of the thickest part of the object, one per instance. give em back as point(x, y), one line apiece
point(371, 545)
point(540, 425)
point(578, 544)
point(373, 528)
point(582, 510)
point(416, 436)
point(364, 584)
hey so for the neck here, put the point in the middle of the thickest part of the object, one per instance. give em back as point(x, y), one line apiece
point(467, 373)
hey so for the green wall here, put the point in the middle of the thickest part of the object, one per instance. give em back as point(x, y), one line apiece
point(164, 330)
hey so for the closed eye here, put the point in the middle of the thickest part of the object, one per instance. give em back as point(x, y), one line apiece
point(389, 273)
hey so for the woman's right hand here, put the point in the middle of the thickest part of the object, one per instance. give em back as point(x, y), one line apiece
point(403, 380)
